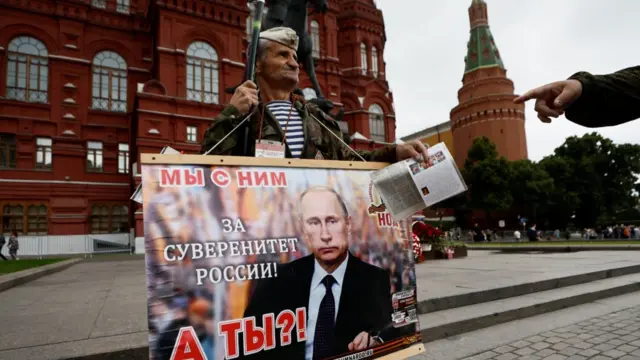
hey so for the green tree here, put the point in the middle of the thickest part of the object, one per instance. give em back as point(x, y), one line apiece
point(596, 177)
point(531, 187)
point(562, 201)
point(487, 177)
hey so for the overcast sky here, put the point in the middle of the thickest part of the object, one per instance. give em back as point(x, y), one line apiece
point(539, 41)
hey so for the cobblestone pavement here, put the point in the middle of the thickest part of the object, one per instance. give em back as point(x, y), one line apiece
point(612, 336)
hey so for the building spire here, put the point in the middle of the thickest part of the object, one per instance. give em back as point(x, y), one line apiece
point(481, 48)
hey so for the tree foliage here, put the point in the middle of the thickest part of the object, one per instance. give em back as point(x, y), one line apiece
point(487, 176)
point(586, 181)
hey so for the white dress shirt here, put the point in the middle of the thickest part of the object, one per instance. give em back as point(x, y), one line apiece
point(316, 295)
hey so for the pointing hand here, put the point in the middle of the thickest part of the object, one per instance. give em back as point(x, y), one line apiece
point(552, 99)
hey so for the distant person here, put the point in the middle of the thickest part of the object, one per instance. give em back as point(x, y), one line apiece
point(13, 245)
point(590, 100)
point(532, 233)
point(2, 242)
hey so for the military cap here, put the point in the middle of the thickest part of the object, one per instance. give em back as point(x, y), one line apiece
point(282, 35)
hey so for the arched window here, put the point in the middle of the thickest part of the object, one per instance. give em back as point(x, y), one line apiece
point(374, 61)
point(122, 6)
point(109, 82)
point(27, 70)
point(315, 39)
point(13, 218)
point(363, 58)
point(376, 123)
point(37, 223)
point(202, 73)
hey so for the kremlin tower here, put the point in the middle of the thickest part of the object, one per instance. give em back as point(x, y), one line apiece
point(485, 100)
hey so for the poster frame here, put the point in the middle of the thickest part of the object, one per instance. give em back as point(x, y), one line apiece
point(189, 159)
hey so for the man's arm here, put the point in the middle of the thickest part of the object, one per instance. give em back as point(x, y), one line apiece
point(607, 100)
point(222, 125)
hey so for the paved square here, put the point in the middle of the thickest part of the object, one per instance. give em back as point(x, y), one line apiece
point(612, 336)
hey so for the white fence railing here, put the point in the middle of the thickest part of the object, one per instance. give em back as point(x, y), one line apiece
point(49, 245)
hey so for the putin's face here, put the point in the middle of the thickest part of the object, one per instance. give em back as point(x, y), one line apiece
point(325, 226)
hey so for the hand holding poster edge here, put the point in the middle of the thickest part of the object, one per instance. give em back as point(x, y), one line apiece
point(238, 161)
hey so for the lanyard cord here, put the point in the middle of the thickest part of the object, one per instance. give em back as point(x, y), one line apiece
point(260, 125)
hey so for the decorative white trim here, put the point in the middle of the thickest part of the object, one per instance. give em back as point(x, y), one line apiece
point(175, 115)
point(69, 116)
point(154, 131)
point(69, 101)
point(361, 111)
point(1, 48)
point(131, 68)
point(69, 132)
point(351, 68)
point(236, 63)
point(147, 59)
point(69, 86)
point(160, 48)
point(71, 46)
point(62, 182)
point(361, 99)
point(68, 58)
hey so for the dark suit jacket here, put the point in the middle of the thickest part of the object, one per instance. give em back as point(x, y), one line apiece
point(365, 303)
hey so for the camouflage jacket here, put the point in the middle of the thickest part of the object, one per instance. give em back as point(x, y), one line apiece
point(606, 100)
point(316, 136)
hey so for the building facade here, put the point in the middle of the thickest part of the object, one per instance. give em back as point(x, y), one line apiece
point(86, 86)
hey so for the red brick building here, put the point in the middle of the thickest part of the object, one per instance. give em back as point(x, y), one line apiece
point(88, 85)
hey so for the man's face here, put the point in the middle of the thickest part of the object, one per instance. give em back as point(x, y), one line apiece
point(325, 226)
point(279, 66)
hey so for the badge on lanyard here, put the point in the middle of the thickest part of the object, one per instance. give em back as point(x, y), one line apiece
point(269, 149)
point(319, 156)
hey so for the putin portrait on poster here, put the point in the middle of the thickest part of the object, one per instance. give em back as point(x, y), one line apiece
point(347, 301)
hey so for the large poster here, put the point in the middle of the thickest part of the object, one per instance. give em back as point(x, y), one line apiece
point(263, 261)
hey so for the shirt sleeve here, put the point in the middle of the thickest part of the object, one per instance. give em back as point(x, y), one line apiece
point(606, 100)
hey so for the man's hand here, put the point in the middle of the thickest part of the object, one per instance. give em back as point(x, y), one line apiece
point(552, 99)
point(413, 149)
point(361, 342)
point(245, 96)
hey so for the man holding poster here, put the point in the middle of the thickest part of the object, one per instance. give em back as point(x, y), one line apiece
point(348, 301)
point(281, 124)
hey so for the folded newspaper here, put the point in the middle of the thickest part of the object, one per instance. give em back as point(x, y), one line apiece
point(137, 195)
point(409, 186)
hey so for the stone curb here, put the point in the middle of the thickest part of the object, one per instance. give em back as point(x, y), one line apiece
point(554, 248)
point(21, 277)
point(468, 325)
point(454, 301)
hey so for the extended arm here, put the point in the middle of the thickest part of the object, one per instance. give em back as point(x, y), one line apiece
point(606, 100)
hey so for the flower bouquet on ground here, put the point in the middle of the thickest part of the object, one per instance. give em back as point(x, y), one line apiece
point(417, 249)
point(432, 239)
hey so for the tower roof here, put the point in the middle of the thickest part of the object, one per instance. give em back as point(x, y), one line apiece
point(481, 48)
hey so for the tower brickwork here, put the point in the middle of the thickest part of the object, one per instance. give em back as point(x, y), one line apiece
point(485, 100)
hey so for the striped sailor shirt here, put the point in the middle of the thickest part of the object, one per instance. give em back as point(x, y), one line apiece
point(291, 124)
